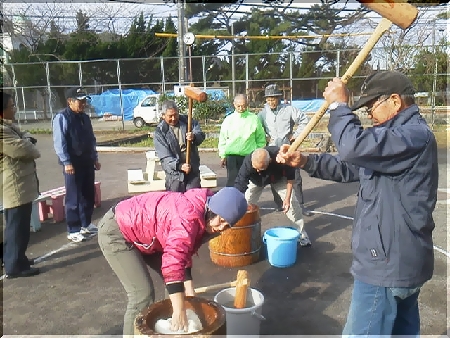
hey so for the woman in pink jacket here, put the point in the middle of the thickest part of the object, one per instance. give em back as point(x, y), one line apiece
point(173, 223)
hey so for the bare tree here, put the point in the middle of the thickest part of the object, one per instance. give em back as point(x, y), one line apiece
point(399, 47)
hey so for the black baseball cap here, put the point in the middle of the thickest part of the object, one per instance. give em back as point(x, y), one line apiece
point(77, 93)
point(383, 83)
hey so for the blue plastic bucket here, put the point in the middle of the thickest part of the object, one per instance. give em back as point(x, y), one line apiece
point(281, 243)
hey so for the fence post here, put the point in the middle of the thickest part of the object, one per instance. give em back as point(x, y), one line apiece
point(80, 74)
point(49, 89)
point(120, 93)
point(163, 84)
point(204, 72)
point(24, 104)
point(246, 73)
point(290, 74)
point(338, 63)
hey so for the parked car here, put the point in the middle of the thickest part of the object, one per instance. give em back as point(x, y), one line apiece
point(147, 112)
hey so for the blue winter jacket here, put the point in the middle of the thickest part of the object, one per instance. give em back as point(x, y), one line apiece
point(73, 138)
point(396, 165)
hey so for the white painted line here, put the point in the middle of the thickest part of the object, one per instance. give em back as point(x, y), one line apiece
point(442, 251)
point(51, 253)
point(331, 214)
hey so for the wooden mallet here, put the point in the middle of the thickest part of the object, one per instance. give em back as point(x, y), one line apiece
point(398, 12)
point(242, 283)
point(192, 93)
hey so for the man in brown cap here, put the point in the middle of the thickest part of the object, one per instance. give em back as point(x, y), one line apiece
point(395, 162)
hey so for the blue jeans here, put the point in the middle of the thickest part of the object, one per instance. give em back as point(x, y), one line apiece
point(80, 196)
point(376, 310)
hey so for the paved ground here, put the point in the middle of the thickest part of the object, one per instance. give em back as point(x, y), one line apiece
point(77, 293)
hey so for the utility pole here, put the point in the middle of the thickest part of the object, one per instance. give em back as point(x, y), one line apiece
point(181, 47)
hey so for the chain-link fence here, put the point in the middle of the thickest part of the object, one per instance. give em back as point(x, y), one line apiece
point(39, 87)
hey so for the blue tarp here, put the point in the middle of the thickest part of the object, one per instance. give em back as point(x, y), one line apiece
point(109, 101)
point(308, 106)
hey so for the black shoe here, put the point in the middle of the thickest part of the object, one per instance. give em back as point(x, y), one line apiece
point(25, 273)
point(30, 262)
point(306, 212)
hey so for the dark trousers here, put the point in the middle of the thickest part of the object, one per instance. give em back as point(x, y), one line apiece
point(80, 197)
point(298, 190)
point(16, 238)
point(191, 181)
point(234, 163)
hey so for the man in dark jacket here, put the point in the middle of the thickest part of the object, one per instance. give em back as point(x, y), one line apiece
point(75, 146)
point(260, 169)
point(170, 139)
point(395, 162)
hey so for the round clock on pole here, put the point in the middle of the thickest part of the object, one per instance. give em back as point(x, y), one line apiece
point(189, 38)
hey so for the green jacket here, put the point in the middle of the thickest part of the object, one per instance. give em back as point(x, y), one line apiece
point(240, 134)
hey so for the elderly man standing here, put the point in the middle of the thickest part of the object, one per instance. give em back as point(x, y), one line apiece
point(19, 189)
point(75, 145)
point(278, 121)
point(396, 163)
point(171, 137)
point(260, 169)
point(241, 133)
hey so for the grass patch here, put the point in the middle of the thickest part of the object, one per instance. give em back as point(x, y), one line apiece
point(38, 131)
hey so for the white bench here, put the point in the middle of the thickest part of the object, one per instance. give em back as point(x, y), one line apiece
point(154, 180)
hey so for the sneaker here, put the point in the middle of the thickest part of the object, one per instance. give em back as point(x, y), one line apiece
point(304, 239)
point(91, 229)
point(76, 237)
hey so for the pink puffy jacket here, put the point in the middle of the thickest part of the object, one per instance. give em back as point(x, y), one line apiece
point(169, 222)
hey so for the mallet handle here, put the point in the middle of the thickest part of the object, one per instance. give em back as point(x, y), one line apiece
point(215, 287)
point(189, 129)
point(382, 27)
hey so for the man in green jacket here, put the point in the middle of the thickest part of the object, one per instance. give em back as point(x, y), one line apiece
point(241, 133)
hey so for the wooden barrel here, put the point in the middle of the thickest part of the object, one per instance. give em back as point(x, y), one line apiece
point(211, 314)
point(239, 245)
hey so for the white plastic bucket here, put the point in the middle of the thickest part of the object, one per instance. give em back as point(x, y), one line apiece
point(244, 321)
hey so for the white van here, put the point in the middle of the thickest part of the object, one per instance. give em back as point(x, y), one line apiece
point(147, 112)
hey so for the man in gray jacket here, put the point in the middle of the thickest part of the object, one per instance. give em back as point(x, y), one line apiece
point(278, 120)
point(171, 137)
point(395, 162)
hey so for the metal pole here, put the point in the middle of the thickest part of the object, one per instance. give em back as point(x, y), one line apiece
point(433, 94)
point(163, 75)
point(246, 73)
point(233, 70)
point(16, 97)
point(80, 74)
point(290, 73)
point(204, 71)
point(181, 50)
point(49, 89)
point(120, 94)
point(190, 65)
point(24, 104)
point(338, 63)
